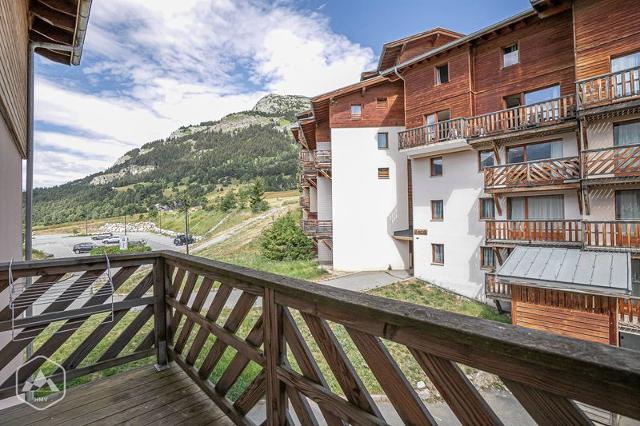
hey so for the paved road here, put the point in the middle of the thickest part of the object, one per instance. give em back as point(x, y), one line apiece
point(362, 281)
point(62, 245)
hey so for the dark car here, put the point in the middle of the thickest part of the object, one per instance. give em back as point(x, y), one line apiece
point(99, 237)
point(83, 248)
point(182, 239)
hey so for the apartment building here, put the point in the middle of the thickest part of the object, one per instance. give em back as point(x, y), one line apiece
point(458, 149)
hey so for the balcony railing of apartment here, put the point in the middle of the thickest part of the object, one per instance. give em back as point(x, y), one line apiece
point(615, 161)
point(323, 159)
point(495, 289)
point(305, 202)
point(307, 158)
point(612, 234)
point(532, 173)
point(283, 319)
point(432, 133)
point(317, 228)
point(609, 88)
point(523, 117)
point(536, 231)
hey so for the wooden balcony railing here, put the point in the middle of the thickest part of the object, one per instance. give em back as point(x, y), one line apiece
point(241, 335)
point(629, 313)
point(306, 157)
point(317, 228)
point(612, 234)
point(494, 289)
point(539, 231)
point(432, 133)
point(609, 88)
point(323, 159)
point(305, 202)
point(523, 117)
point(616, 161)
point(532, 173)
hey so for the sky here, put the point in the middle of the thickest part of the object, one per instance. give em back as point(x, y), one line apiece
point(151, 66)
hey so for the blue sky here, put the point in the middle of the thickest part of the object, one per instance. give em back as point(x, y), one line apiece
point(149, 67)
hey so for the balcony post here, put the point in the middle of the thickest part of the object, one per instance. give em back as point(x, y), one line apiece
point(161, 309)
point(274, 354)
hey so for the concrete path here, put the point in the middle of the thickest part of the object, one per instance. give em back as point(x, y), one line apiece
point(362, 281)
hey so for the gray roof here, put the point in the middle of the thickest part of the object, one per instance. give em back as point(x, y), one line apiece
point(571, 269)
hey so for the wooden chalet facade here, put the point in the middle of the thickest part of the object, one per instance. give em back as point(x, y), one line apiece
point(525, 133)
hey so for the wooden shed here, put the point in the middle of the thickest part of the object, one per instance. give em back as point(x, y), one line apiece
point(571, 292)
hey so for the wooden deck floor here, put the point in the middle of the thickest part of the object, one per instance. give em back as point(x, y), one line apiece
point(138, 397)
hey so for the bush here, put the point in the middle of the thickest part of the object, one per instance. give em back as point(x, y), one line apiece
point(284, 240)
point(133, 248)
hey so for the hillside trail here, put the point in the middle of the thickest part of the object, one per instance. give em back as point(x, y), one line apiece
point(237, 228)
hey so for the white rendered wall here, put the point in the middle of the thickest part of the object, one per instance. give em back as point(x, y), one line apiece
point(324, 198)
point(367, 210)
point(313, 199)
point(461, 231)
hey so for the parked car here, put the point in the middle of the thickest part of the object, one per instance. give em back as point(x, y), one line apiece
point(111, 240)
point(182, 239)
point(99, 237)
point(83, 248)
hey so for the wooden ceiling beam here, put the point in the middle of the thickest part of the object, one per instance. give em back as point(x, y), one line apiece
point(53, 17)
point(69, 7)
point(62, 58)
point(50, 33)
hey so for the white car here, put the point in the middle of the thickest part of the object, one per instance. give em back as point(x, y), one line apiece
point(111, 240)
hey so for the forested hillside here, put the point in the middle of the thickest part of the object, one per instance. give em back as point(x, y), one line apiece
point(193, 161)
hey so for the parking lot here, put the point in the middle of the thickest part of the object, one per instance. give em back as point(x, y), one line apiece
point(62, 245)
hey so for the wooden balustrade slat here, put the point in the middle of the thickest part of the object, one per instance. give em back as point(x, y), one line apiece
point(274, 349)
point(547, 408)
point(217, 304)
point(127, 334)
point(37, 288)
point(461, 396)
point(327, 400)
point(340, 365)
point(405, 400)
point(185, 294)
point(198, 302)
point(252, 394)
point(240, 361)
point(301, 407)
point(305, 361)
point(237, 315)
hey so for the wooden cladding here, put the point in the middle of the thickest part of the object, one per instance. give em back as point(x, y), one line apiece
point(534, 231)
point(317, 228)
point(371, 112)
point(608, 88)
point(581, 316)
point(617, 161)
point(532, 173)
point(14, 32)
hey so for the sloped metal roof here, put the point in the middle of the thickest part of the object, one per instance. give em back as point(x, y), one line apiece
point(566, 268)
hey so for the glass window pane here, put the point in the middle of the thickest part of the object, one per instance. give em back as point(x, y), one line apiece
point(486, 159)
point(383, 140)
point(444, 115)
point(438, 253)
point(515, 155)
point(437, 210)
point(512, 101)
point(442, 74)
point(487, 209)
point(510, 55)
point(436, 166)
point(625, 62)
point(516, 208)
point(626, 133)
point(546, 207)
point(628, 204)
point(542, 95)
point(488, 258)
point(356, 109)
point(543, 151)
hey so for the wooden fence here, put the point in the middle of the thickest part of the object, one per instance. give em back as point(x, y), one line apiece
point(533, 173)
point(607, 88)
point(552, 231)
point(284, 318)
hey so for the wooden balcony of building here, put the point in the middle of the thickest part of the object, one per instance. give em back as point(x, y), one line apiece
point(538, 232)
point(552, 174)
point(611, 165)
point(495, 290)
point(432, 134)
point(612, 235)
point(262, 346)
point(306, 158)
point(317, 228)
point(305, 202)
point(602, 95)
point(537, 119)
point(323, 160)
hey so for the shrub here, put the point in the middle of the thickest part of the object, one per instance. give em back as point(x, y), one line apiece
point(284, 240)
point(133, 248)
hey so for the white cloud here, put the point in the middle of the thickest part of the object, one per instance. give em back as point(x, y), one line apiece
point(154, 66)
